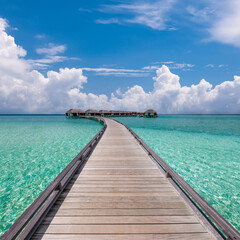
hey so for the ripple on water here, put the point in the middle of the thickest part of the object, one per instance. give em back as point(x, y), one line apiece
point(33, 151)
point(204, 150)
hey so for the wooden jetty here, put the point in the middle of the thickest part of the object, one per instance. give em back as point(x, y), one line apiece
point(118, 188)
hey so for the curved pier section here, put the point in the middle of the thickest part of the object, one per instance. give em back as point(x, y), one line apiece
point(121, 193)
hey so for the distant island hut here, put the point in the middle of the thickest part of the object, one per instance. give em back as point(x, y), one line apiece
point(74, 112)
point(92, 112)
point(150, 113)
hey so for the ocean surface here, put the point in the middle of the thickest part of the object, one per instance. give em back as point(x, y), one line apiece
point(33, 151)
point(204, 150)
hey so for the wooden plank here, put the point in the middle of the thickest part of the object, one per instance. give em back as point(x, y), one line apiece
point(185, 236)
point(120, 185)
point(121, 212)
point(110, 163)
point(76, 220)
point(119, 194)
point(119, 178)
point(115, 205)
point(124, 199)
point(121, 145)
point(120, 172)
point(121, 167)
point(122, 154)
point(121, 229)
point(118, 151)
point(118, 189)
point(117, 182)
point(120, 158)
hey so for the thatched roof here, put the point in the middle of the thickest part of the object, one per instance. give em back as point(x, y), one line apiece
point(150, 111)
point(104, 111)
point(91, 111)
point(72, 110)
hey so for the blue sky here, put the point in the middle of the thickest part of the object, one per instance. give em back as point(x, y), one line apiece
point(120, 44)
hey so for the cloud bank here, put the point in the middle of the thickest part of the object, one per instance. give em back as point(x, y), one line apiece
point(25, 90)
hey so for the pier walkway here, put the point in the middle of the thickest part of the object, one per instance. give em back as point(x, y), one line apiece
point(120, 193)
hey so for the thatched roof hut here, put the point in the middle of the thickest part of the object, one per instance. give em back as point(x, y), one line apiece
point(116, 113)
point(150, 113)
point(104, 112)
point(74, 112)
point(92, 112)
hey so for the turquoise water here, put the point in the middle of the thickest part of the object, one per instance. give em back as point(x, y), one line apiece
point(204, 150)
point(33, 151)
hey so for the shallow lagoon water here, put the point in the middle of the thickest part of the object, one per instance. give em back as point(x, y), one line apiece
point(33, 151)
point(204, 150)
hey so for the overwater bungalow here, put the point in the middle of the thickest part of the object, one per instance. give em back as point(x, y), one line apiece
point(135, 113)
point(150, 113)
point(115, 113)
point(104, 113)
point(75, 112)
point(92, 112)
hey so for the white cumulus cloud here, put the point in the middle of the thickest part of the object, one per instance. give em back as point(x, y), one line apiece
point(25, 90)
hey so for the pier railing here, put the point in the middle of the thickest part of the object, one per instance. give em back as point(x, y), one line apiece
point(207, 210)
point(28, 222)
